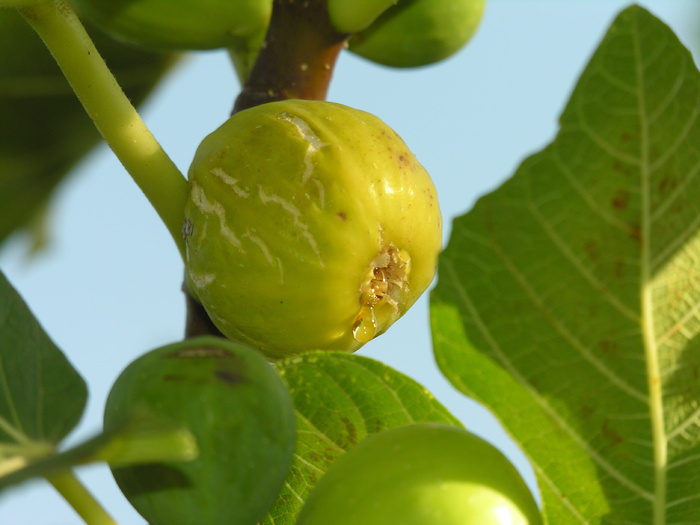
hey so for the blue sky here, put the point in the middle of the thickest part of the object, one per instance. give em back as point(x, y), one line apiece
point(108, 288)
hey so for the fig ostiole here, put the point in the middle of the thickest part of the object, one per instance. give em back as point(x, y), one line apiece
point(180, 24)
point(310, 225)
point(421, 474)
point(241, 415)
point(416, 33)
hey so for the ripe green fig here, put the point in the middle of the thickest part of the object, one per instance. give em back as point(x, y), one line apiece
point(310, 226)
point(415, 33)
point(351, 16)
point(180, 24)
point(241, 414)
point(422, 474)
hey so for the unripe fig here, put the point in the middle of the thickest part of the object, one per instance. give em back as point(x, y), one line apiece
point(351, 16)
point(180, 24)
point(419, 32)
point(240, 413)
point(310, 225)
point(421, 474)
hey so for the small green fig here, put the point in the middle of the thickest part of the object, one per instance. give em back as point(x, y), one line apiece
point(421, 474)
point(241, 414)
point(180, 24)
point(310, 226)
point(415, 33)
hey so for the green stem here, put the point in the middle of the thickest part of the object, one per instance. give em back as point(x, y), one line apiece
point(115, 117)
point(80, 499)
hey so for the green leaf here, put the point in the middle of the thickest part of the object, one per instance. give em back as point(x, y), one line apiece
point(139, 440)
point(42, 397)
point(568, 298)
point(44, 130)
point(339, 400)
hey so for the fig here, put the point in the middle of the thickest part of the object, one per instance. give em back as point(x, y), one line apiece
point(421, 474)
point(351, 16)
point(239, 411)
point(180, 24)
point(416, 33)
point(309, 226)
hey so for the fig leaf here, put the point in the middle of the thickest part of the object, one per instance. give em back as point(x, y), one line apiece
point(567, 299)
point(339, 400)
point(42, 396)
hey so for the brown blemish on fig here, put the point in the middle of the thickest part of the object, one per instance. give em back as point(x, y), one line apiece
point(227, 376)
point(342, 216)
point(200, 351)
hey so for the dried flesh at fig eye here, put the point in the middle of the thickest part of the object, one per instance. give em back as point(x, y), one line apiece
point(181, 24)
point(310, 225)
point(419, 32)
point(422, 474)
point(241, 415)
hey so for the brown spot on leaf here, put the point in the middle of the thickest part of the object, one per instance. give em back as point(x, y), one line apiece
point(351, 431)
point(611, 434)
point(635, 233)
point(621, 200)
point(591, 249)
point(609, 348)
point(587, 411)
point(666, 184)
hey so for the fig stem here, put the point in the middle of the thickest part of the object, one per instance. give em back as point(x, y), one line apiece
point(113, 114)
point(75, 493)
point(297, 57)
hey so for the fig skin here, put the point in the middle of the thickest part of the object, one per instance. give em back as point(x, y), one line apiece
point(310, 226)
point(181, 24)
point(241, 414)
point(421, 474)
point(416, 33)
point(351, 16)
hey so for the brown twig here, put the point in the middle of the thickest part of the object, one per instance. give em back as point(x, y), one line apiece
point(297, 58)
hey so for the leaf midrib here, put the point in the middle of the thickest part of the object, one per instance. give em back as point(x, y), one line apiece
point(647, 302)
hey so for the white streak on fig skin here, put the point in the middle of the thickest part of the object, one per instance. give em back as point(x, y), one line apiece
point(229, 181)
point(314, 144)
point(266, 253)
point(294, 211)
point(200, 200)
point(202, 281)
point(261, 244)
